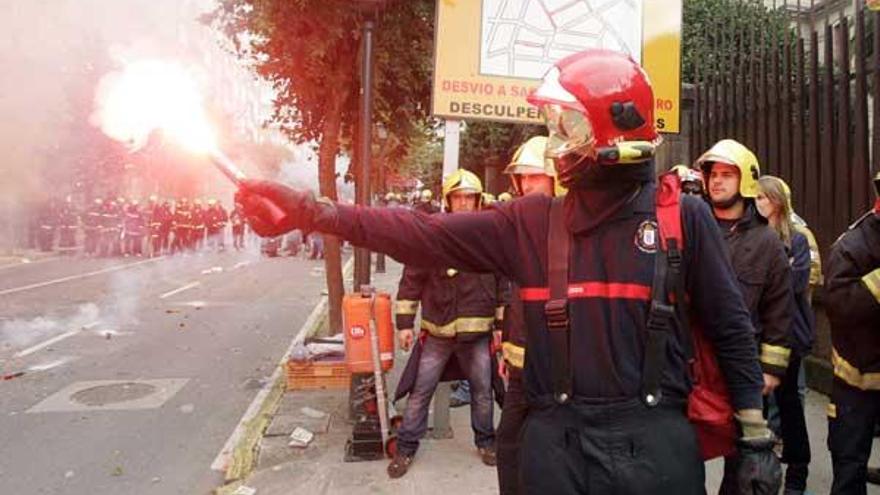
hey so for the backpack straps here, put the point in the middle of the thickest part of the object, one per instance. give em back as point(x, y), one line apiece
point(672, 243)
point(664, 318)
point(556, 308)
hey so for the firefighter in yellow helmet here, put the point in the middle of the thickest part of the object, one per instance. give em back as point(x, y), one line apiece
point(459, 316)
point(530, 173)
point(529, 170)
point(463, 187)
point(505, 197)
point(425, 202)
point(758, 257)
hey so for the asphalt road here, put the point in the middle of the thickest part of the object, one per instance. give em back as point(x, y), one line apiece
point(183, 342)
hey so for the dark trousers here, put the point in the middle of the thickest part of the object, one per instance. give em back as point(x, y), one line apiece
point(793, 425)
point(507, 436)
point(620, 447)
point(475, 362)
point(155, 244)
point(181, 240)
point(91, 242)
point(851, 419)
point(67, 237)
point(134, 244)
point(46, 238)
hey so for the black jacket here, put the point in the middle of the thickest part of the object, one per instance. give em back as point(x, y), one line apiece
point(852, 290)
point(610, 274)
point(513, 336)
point(761, 265)
point(454, 304)
point(803, 321)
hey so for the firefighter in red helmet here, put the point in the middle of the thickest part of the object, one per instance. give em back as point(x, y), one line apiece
point(605, 370)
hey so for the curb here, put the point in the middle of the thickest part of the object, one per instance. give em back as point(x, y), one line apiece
point(238, 456)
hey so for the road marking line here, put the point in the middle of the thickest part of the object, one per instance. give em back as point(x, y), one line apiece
point(55, 339)
point(180, 289)
point(221, 462)
point(77, 277)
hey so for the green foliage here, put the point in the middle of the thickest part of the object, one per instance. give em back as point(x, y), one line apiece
point(424, 157)
point(310, 51)
point(720, 34)
point(491, 144)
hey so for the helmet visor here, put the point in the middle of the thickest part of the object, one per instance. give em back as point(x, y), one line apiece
point(570, 131)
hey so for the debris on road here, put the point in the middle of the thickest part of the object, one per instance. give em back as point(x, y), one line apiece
point(244, 490)
point(172, 311)
point(214, 269)
point(117, 471)
point(10, 376)
point(300, 437)
point(68, 474)
point(155, 479)
point(187, 408)
point(312, 413)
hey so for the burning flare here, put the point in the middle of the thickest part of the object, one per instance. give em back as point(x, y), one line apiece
point(151, 95)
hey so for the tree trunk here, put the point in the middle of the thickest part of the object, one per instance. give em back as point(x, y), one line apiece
point(328, 150)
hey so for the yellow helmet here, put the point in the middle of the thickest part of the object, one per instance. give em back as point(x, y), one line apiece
point(529, 159)
point(461, 180)
point(734, 153)
point(426, 195)
point(488, 198)
point(505, 197)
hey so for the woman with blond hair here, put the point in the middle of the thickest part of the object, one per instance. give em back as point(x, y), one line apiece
point(773, 204)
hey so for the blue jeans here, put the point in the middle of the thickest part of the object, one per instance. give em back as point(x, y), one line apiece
point(475, 362)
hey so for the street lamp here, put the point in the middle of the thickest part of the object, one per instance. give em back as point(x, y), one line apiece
point(371, 9)
point(365, 442)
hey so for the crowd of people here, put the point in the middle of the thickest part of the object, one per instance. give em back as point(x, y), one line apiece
point(651, 323)
point(126, 227)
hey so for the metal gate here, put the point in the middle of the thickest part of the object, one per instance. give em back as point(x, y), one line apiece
point(800, 97)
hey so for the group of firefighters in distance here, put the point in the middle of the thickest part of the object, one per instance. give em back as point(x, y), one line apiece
point(649, 323)
point(126, 227)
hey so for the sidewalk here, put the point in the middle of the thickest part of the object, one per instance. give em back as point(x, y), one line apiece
point(442, 467)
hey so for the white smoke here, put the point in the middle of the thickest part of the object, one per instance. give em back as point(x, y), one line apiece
point(24, 332)
point(302, 172)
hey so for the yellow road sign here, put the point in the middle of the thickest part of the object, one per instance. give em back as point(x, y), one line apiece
point(489, 54)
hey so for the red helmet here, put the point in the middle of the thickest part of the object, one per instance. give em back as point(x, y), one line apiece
point(592, 101)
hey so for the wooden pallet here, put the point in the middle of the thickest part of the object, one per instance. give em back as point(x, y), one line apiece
point(317, 375)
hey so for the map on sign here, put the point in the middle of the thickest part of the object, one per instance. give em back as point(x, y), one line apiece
point(523, 38)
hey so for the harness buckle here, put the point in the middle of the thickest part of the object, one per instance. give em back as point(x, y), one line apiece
point(556, 312)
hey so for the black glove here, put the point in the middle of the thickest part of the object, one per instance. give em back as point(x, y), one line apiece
point(755, 464)
point(273, 209)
